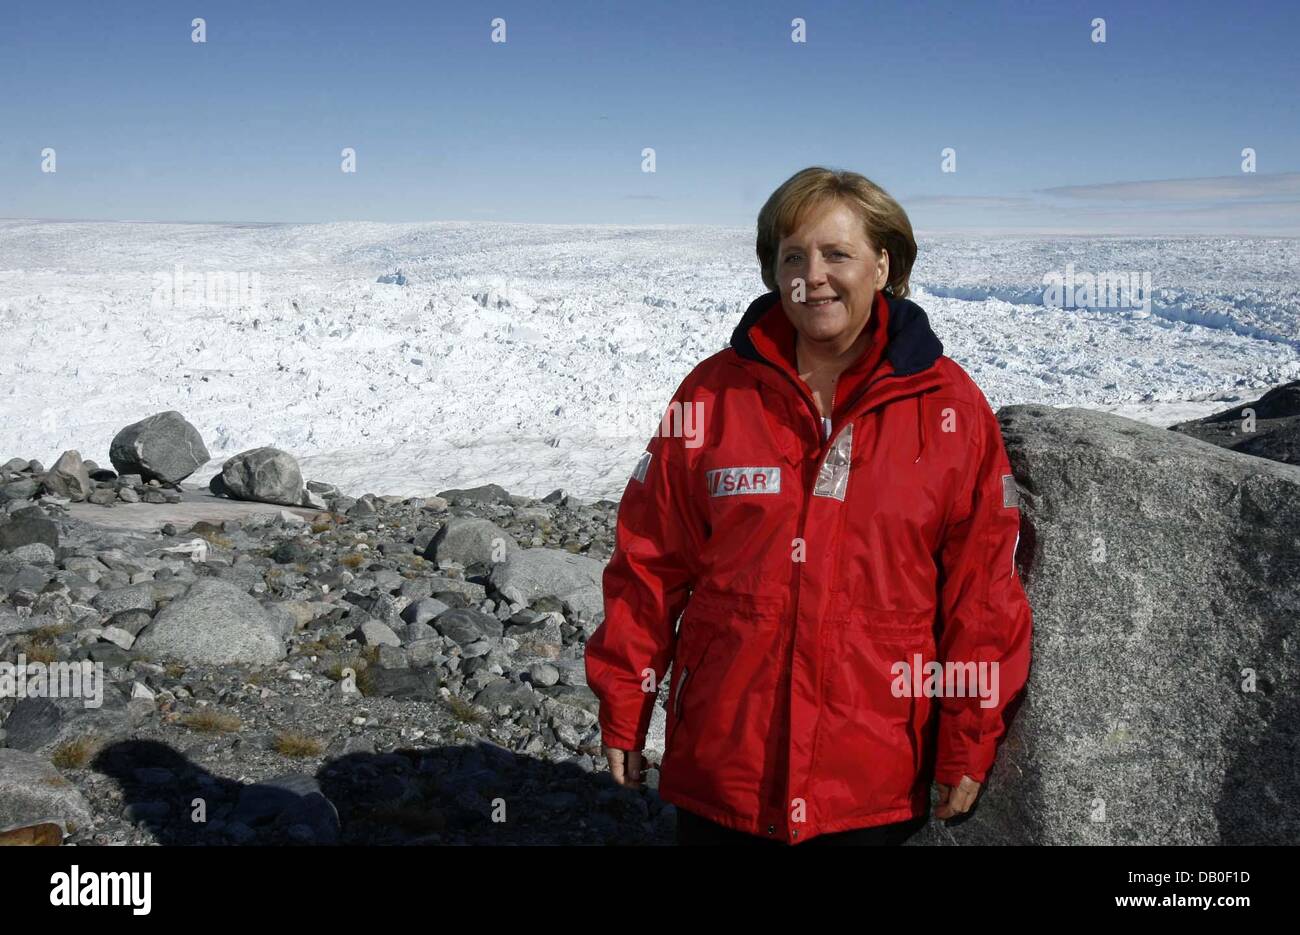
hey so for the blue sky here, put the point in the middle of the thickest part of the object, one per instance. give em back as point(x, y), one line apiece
point(1052, 132)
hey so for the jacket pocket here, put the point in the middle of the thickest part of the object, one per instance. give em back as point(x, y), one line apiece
point(681, 684)
point(871, 740)
point(889, 628)
point(716, 626)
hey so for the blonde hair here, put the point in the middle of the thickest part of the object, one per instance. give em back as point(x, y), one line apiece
point(884, 221)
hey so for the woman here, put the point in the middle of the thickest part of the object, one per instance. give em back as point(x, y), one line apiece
point(841, 520)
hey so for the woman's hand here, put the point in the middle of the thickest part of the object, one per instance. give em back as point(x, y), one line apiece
point(624, 766)
point(956, 802)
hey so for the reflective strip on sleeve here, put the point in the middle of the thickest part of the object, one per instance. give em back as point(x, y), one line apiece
point(641, 467)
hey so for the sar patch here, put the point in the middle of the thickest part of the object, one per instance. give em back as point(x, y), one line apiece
point(642, 466)
point(734, 481)
point(1010, 492)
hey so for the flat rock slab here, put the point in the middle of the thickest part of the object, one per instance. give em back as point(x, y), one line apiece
point(197, 503)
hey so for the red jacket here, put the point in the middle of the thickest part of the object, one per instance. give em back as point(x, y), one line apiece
point(809, 570)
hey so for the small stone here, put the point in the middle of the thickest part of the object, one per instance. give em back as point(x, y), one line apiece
point(118, 636)
point(393, 657)
point(378, 633)
point(104, 496)
point(542, 673)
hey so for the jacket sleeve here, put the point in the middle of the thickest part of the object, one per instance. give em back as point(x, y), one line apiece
point(986, 618)
point(658, 538)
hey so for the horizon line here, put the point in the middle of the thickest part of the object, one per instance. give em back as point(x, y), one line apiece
point(919, 232)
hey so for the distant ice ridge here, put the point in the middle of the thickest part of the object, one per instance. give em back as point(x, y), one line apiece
point(1247, 286)
point(1241, 314)
point(541, 356)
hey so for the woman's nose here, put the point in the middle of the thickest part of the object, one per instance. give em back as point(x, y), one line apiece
point(815, 272)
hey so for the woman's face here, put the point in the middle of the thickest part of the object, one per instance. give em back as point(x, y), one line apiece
point(840, 273)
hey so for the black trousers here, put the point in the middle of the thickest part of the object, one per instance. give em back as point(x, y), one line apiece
point(693, 829)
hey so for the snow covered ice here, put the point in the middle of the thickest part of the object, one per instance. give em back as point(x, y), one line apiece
point(410, 358)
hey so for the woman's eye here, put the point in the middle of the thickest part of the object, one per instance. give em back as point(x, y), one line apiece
point(792, 256)
point(838, 253)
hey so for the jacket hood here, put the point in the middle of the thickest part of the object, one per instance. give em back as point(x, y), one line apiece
point(911, 345)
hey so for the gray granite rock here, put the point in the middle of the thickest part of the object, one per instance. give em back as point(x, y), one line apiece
point(470, 540)
point(267, 475)
point(1164, 577)
point(32, 792)
point(42, 724)
point(163, 447)
point(68, 477)
point(486, 493)
point(1268, 427)
point(214, 622)
point(377, 633)
point(531, 574)
point(116, 600)
point(464, 625)
point(28, 525)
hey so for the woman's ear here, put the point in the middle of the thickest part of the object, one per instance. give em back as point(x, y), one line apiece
point(882, 269)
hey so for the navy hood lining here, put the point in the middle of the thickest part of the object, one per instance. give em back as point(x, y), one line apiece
point(912, 345)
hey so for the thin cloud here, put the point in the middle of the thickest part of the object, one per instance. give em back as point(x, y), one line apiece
point(1245, 205)
point(1247, 186)
point(970, 201)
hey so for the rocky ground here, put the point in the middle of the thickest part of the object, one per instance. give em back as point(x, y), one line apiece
point(1267, 427)
point(397, 670)
point(402, 670)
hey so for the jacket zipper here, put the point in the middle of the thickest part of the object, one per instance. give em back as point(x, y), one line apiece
point(829, 421)
point(787, 654)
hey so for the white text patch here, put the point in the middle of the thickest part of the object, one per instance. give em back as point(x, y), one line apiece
point(728, 482)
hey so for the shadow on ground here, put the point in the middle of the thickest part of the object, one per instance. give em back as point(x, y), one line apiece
point(477, 794)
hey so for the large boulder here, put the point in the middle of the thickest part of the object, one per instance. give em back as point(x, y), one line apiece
point(42, 725)
point(1164, 577)
point(20, 488)
point(214, 622)
point(485, 493)
point(266, 475)
point(470, 540)
point(528, 575)
point(13, 622)
point(69, 477)
point(1268, 427)
point(27, 526)
point(33, 792)
point(163, 447)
